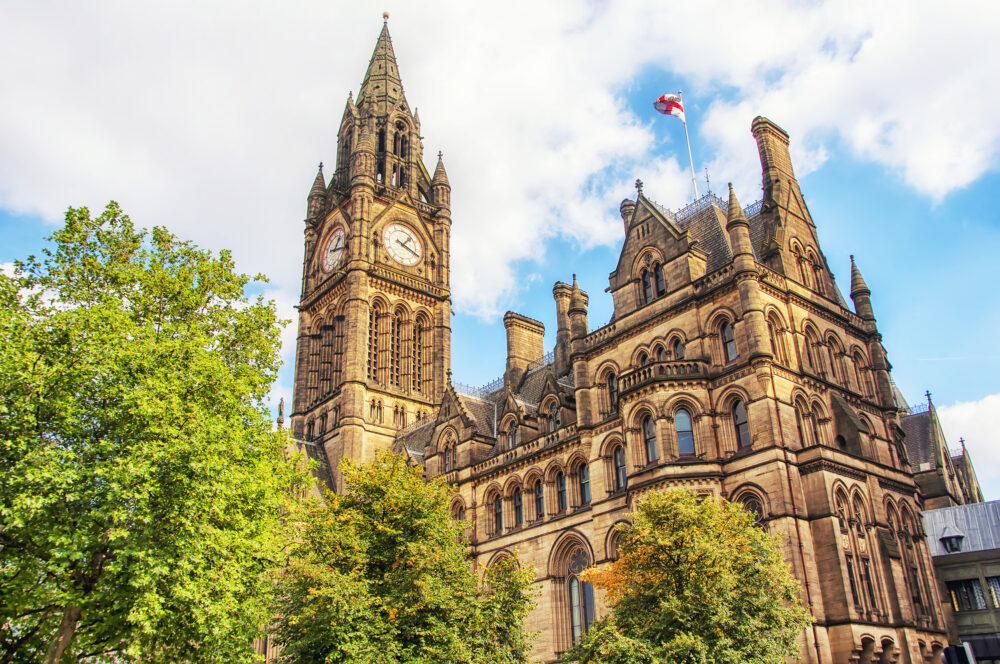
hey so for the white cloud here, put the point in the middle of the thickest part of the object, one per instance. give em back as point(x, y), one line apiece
point(975, 422)
point(210, 118)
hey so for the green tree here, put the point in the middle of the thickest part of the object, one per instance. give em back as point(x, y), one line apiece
point(382, 574)
point(696, 583)
point(142, 485)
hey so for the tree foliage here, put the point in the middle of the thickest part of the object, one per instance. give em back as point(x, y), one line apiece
point(696, 583)
point(382, 574)
point(139, 510)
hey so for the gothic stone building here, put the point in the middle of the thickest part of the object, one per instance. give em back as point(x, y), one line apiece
point(732, 367)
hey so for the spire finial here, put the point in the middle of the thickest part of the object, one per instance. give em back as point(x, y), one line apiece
point(385, 16)
point(440, 154)
point(638, 185)
point(320, 165)
point(928, 393)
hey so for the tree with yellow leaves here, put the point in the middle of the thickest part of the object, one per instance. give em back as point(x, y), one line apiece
point(696, 583)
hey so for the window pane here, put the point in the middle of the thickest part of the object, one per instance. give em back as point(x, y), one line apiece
point(685, 433)
point(649, 433)
point(741, 425)
point(621, 476)
point(994, 585)
point(539, 500)
point(518, 508)
point(561, 491)
point(574, 609)
point(584, 485)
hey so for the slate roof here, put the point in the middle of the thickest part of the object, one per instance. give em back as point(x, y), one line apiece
point(707, 226)
point(919, 430)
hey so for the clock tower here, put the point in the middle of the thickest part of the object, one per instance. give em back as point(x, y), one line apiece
point(374, 329)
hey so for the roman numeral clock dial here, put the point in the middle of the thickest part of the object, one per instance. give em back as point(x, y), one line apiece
point(333, 252)
point(402, 244)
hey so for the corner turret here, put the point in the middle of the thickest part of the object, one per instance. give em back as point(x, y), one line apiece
point(861, 294)
point(578, 302)
point(440, 188)
point(317, 197)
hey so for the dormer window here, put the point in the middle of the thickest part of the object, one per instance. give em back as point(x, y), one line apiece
point(951, 540)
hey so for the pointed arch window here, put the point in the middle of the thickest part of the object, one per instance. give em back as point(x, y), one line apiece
point(661, 286)
point(395, 348)
point(612, 383)
point(728, 341)
point(678, 349)
point(497, 515)
point(661, 354)
point(643, 359)
point(741, 425)
point(817, 417)
point(581, 595)
point(553, 416)
point(647, 287)
point(800, 415)
point(518, 508)
point(374, 319)
point(649, 439)
point(621, 473)
point(563, 504)
point(685, 433)
point(447, 460)
point(539, 499)
point(583, 482)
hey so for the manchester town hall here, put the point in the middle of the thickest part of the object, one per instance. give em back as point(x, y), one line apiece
point(732, 367)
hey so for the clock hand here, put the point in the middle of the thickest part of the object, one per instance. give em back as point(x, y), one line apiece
point(407, 248)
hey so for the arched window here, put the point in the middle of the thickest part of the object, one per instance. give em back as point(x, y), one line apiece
point(581, 595)
point(647, 287)
point(649, 439)
point(621, 474)
point(539, 500)
point(417, 375)
point(447, 460)
point(512, 434)
point(612, 384)
point(553, 416)
point(678, 349)
point(740, 424)
point(374, 322)
point(818, 275)
point(661, 354)
point(728, 341)
point(661, 287)
point(460, 513)
point(643, 359)
point(454, 457)
point(561, 492)
point(685, 433)
point(395, 348)
point(583, 482)
point(752, 504)
point(776, 335)
point(497, 515)
point(831, 351)
point(816, 417)
point(801, 412)
point(518, 508)
point(812, 352)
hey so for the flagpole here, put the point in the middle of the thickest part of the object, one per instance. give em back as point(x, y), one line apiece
point(694, 182)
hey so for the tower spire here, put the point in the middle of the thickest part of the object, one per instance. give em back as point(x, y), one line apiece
point(861, 294)
point(382, 84)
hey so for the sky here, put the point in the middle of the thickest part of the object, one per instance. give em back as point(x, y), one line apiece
point(210, 119)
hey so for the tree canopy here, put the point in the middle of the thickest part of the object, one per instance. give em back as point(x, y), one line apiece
point(696, 582)
point(142, 491)
point(382, 574)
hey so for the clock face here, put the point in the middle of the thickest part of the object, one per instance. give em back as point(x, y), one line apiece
point(333, 252)
point(402, 244)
